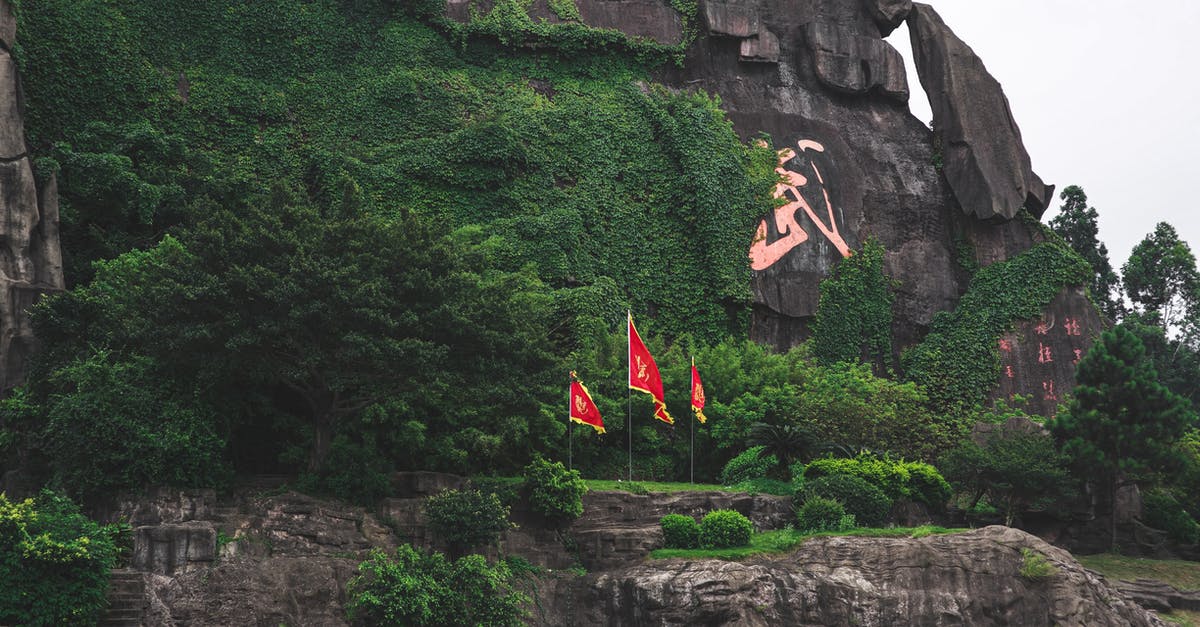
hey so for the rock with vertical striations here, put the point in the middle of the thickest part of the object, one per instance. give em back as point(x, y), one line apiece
point(985, 160)
point(30, 257)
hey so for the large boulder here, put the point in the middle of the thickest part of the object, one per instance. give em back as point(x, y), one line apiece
point(985, 160)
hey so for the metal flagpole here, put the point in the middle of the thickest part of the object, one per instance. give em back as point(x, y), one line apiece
point(692, 424)
point(628, 390)
point(570, 427)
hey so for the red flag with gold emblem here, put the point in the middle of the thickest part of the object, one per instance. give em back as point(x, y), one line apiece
point(697, 395)
point(583, 408)
point(643, 374)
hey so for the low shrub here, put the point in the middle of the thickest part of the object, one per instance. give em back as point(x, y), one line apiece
point(680, 532)
point(916, 481)
point(353, 471)
point(554, 492)
point(749, 464)
point(725, 528)
point(818, 513)
point(54, 562)
point(1035, 566)
point(467, 519)
point(869, 505)
point(420, 589)
point(1162, 511)
point(927, 485)
point(884, 474)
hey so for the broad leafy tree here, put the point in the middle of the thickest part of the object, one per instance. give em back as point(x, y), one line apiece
point(1076, 222)
point(1122, 423)
point(1162, 282)
point(286, 309)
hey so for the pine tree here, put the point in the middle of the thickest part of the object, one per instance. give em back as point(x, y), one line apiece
point(1122, 421)
point(1077, 224)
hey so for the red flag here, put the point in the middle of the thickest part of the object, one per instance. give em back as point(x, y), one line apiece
point(583, 408)
point(643, 374)
point(697, 395)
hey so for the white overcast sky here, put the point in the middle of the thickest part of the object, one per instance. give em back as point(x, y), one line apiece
point(1107, 95)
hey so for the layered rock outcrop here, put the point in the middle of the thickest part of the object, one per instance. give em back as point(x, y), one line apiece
point(970, 578)
point(30, 257)
point(985, 160)
point(287, 559)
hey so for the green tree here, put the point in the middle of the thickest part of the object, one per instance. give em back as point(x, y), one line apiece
point(1121, 422)
point(426, 589)
point(1076, 223)
point(1014, 467)
point(327, 314)
point(1162, 282)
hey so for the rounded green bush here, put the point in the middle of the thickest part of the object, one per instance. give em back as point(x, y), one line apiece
point(725, 528)
point(750, 464)
point(680, 532)
point(467, 518)
point(818, 513)
point(554, 491)
point(927, 485)
point(869, 505)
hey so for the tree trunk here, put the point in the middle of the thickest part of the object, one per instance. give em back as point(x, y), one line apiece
point(1113, 515)
point(322, 440)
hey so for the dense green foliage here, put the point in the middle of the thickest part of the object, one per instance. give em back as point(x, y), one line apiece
point(898, 479)
point(1077, 224)
point(867, 503)
point(467, 519)
point(112, 424)
point(54, 562)
point(958, 363)
point(749, 464)
point(854, 314)
point(725, 528)
point(554, 492)
point(818, 513)
point(1162, 511)
point(680, 532)
point(426, 589)
point(1162, 281)
point(1015, 469)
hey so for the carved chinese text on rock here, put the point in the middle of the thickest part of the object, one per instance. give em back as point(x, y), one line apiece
point(1038, 357)
point(781, 231)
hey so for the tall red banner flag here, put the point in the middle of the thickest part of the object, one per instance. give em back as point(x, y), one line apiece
point(583, 408)
point(643, 374)
point(697, 395)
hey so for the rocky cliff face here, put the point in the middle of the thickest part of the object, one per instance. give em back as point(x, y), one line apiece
point(30, 258)
point(287, 559)
point(818, 78)
point(962, 579)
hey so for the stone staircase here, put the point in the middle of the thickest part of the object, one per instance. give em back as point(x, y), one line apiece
point(126, 599)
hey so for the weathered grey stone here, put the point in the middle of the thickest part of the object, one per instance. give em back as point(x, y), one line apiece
point(762, 48)
point(856, 64)
point(962, 579)
point(1159, 596)
point(730, 20)
point(985, 160)
point(8, 25)
point(167, 549)
point(888, 14)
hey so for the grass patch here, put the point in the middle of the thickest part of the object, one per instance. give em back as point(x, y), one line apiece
point(644, 487)
point(1179, 573)
point(1181, 617)
point(784, 540)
